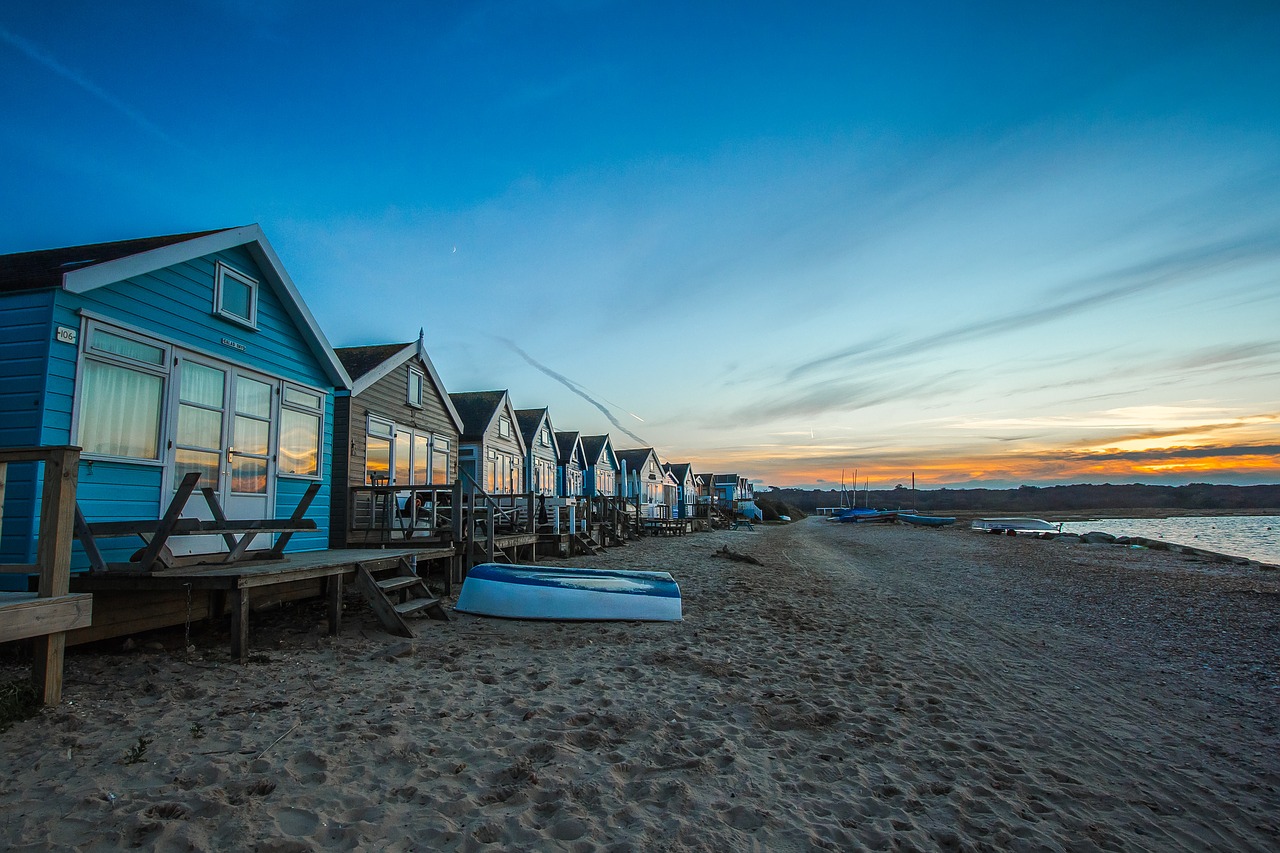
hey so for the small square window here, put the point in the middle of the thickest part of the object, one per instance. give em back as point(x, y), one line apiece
point(235, 296)
point(504, 427)
point(416, 383)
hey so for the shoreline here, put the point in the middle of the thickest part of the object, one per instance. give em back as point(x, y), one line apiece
point(868, 686)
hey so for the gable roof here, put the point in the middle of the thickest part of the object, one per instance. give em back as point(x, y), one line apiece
point(635, 457)
point(367, 365)
point(530, 420)
point(478, 409)
point(47, 268)
point(360, 361)
point(680, 470)
point(79, 269)
point(566, 443)
point(594, 446)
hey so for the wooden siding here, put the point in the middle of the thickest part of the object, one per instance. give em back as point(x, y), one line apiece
point(388, 399)
point(493, 441)
point(175, 304)
point(26, 336)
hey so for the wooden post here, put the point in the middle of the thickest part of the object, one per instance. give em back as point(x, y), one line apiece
point(239, 624)
point(53, 556)
point(333, 586)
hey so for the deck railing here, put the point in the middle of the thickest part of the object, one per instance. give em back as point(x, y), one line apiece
point(392, 513)
point(53, 611)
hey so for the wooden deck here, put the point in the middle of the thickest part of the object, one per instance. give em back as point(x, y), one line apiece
point(130, 603)
point(24, 615)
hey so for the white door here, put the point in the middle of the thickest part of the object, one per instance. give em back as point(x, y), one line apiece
point(223, 430)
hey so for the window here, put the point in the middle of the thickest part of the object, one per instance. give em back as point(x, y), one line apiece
point(377, 457)
point(301, 417)
point(421, 458)
point(546, 437)
point(439, 460)
point(121, 394)
point(235, 296)
point(504, 427)
point(416, 384)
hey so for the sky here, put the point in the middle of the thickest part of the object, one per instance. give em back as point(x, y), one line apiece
point(991, 244)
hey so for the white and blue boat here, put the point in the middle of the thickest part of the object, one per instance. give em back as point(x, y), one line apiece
point(569, 594)
point(926, 520)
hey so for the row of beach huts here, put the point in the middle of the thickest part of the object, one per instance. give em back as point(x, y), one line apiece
point(179, 441)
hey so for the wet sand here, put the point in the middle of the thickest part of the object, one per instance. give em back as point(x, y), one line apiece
point(868, 687)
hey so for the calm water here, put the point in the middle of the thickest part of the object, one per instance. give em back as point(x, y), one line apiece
point(1254, 536)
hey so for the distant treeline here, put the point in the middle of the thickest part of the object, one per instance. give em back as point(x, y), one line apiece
point(1041, 499)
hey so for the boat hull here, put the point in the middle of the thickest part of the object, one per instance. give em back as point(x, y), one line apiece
point(1015, 526)
point(926, 520)
point(567, 594)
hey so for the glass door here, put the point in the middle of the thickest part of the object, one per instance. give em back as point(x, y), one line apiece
point(248, 489)
point(223, 431)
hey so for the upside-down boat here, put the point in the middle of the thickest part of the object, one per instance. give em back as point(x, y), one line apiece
point(926, 520)
point(1016, 526)
point(569, 594)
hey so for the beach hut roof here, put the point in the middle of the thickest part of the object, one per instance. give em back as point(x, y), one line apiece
point(478, 409)
point(529, 421)
point(566, 442)
point(679, 469)
point(594, 446)
point(368, 364)
point(80, 269)
point(635, 457)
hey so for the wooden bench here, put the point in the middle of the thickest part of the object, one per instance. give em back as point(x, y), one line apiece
point(238, 534)
point(742, 524)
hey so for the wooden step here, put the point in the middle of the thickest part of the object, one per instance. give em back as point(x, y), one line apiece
point(398, 582)
point(413, 605)
point(432, 607)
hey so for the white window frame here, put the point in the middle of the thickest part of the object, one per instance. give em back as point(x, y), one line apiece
point(220, 273)
point(163, 370)
point(422, 388)
point(504, 427)
point(319, 412)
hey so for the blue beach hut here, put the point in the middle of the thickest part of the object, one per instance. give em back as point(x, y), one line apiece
point(159, 357)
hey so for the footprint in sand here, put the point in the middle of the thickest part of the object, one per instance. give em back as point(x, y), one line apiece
point(296, 822)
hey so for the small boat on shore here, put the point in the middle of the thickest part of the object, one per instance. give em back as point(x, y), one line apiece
point(1016, 526)
point(864, 515)
point(926, 520)
point(569, 594)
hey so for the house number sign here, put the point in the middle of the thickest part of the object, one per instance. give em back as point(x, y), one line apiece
point(66, 335)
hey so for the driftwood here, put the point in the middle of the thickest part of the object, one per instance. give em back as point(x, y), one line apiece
point(736, 557)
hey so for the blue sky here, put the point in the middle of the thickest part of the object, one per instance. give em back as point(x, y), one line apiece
point(993, 243)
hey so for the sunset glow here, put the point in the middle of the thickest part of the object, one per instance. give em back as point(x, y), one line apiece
point(991, 245)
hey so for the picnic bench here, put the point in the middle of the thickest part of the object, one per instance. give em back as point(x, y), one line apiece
point(665, 526)
point(156, 533)
point(742, 524)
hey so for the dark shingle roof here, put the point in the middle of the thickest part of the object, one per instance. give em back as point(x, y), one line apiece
point(634, 457)
point(528, 419)
point(45, 268)
point(564, 445)
point(360, 360)
point(476, 409)
point(679, 469)
point(593, 446)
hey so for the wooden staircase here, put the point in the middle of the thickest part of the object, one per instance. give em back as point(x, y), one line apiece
point(582, 543)
point(397, 594)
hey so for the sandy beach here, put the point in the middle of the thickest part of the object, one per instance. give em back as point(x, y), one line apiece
point(868, 687)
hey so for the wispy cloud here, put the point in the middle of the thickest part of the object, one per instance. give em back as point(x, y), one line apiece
point(575, 388)
point(37, 54)
point(1088, 295)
